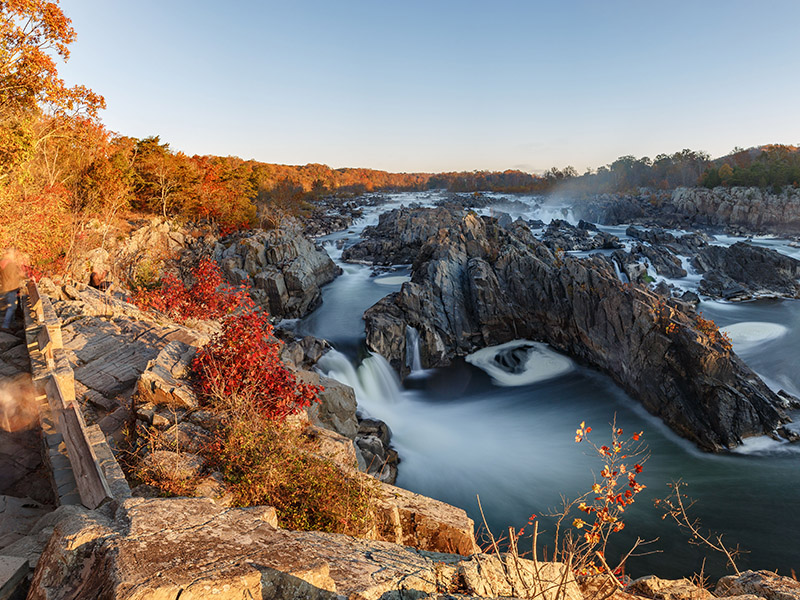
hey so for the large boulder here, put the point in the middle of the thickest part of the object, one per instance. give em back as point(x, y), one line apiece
point(743, 271)
point(193, 548)
point(165, 380)
point(476, 285)
point(284, 269)
point(764, 584)
point(336, 409)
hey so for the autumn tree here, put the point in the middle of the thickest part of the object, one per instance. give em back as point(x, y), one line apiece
point(32, 34)
point(45, 130)
point(224, 192)
point(162, 178)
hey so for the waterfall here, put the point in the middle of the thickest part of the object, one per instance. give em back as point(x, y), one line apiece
point(332, 251)
point(548, 212)
point(620, 276)
point(374, 382)
point(413, 361)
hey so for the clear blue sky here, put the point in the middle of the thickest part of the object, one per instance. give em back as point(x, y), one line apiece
point(440, 85)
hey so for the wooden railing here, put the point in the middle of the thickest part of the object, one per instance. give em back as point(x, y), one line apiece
point(55, 375)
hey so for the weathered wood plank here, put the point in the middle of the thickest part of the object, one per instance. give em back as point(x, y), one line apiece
point(92, 485)
point(49, 339)
point(63, 372)
point(35, 300)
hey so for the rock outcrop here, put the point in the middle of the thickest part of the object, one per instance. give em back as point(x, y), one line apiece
point(192, 549)
point(399, 235)
point(687, 244)
point(741, 210)
point(667, 589)
point(283, 268)
point(742, 271)
point(562, 235)
point(752, 209)
point(376, 457)
point(475, 284)
point(165, 379)
point(152, 248)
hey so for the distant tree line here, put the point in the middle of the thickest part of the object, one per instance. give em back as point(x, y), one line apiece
point(628, 173)
point(774, 166)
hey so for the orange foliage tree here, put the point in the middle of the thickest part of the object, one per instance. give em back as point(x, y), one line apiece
point(31, 33)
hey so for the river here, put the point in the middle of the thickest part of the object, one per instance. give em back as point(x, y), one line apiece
point(462, 434)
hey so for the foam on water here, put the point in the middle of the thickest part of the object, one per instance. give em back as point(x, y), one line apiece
point(520, 362)
point(747, 334)
point(765, 445)
point(392, 280)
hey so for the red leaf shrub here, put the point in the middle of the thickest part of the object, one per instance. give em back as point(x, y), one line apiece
point(209, 297)
point(242, 367)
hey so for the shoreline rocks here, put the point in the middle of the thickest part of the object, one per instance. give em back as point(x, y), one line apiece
point(193, 548)
point(742, 271)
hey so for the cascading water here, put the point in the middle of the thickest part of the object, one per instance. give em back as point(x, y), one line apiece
point(374, 381)
point(413, 361)
point(620, 276)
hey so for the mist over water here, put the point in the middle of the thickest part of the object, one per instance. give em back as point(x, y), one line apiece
point(501, 425)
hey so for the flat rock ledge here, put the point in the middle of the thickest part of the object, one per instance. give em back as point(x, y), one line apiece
point(191, 549)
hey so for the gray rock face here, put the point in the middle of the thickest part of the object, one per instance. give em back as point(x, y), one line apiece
point(336, 409)
point(192, 548)
point(751, 208)
point(475, 285)
point(372, 445)
point(663, 261)
point(284, 269)
point(399, 235)
point(746, 210)
point(302, 353)
point(743, 271)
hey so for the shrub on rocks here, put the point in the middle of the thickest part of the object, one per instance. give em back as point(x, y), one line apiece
point(242, 367)
point(209, 297)
point(264, 463)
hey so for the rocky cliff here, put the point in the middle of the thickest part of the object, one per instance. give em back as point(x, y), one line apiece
point(476, 284)
point(742, 271)
point(283, 268)
point(745, 210)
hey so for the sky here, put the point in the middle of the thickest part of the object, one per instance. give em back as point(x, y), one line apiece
point(440, 85)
